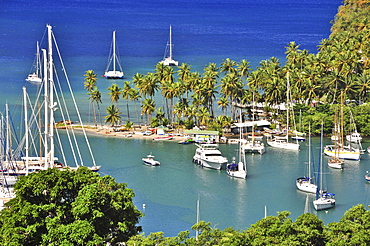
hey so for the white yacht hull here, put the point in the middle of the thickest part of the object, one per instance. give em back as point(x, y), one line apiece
point(306, 186)
point(209, 163)
point(113, 75)
point(283, 145)
point(254, 147)
point(323, 203)
point(237, 174)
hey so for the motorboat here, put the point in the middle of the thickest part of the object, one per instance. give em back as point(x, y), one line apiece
point(208, 155)
point(148, 160)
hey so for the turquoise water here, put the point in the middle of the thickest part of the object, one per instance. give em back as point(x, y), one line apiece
point(170, 191)
point(203, 32)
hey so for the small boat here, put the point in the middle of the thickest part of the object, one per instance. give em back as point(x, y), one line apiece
point(163, 138)
point(233, 141)
point(114, 73)
point(367, 176)
point(254, 146)
point(148, 160)
point(335, 162)
point(36, 76)
point(208, 155)
point(168, 59)
point(186, 141)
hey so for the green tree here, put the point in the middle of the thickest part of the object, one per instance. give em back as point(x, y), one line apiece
point(95, 96)
point(113, 116)
point(65, 207)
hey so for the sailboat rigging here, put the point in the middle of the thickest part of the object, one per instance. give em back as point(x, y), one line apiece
point(114, 61)
point(168, 57)
point(283, 142)
point(324, 199)
point(305, 183)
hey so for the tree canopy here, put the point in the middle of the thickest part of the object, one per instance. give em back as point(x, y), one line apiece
point(66, 207)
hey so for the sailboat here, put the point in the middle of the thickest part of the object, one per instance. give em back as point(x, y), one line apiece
point(283, 142)
point(168, 59)
point(354, 136)
point(114, 61)
point(253, 145)
point(35, 76)
point(339, 150)
point(305, 183)
point(238, 170)
point(324, 200)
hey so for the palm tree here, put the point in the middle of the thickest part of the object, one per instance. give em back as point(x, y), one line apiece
point(90, 80)
point(113, 115)
point(135, 96)
point(203, 116)
point(95, 96)
point(148, 107)
point(228, 66)
point(223, 103)
point(125, 92)
point(243, 68)
point(114, 93)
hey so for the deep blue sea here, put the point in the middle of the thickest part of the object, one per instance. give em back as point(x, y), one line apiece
point(203, 31)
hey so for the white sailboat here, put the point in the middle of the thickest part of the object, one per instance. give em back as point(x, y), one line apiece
point(324, 200)
point(305, 183)
point(283, 142)
point(113, 61)
point(168, 59)
point(354, 136)
point(35, 75)
point(339, 150)
point(254, 143)
point(238, 170)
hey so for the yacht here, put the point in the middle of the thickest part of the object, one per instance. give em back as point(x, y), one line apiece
point(208, 155)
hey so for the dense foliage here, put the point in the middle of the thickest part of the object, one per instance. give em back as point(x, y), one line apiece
point(64, 207)
point(352, 229)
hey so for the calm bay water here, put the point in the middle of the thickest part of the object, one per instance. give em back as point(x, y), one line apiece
point(203, 31)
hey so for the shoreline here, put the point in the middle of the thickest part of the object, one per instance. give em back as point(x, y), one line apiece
point(110, 132)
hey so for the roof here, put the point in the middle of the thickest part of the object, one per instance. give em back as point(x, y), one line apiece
point(251, 123)
point(199, 132)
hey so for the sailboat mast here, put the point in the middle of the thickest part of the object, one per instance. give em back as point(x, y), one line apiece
point(287, 106)
point(51, 100)
point(114, 51)
point(38, 60)
point(26, 126)
point(198, 217)
point(171, 42)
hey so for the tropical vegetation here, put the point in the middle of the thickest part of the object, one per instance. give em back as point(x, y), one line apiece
point(69, 207)
point(341, 66)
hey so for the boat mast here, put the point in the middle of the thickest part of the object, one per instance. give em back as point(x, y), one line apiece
point(114, 51)
point(26, 126)
point(197, 231)
point(50, 104)
point(171, 43)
